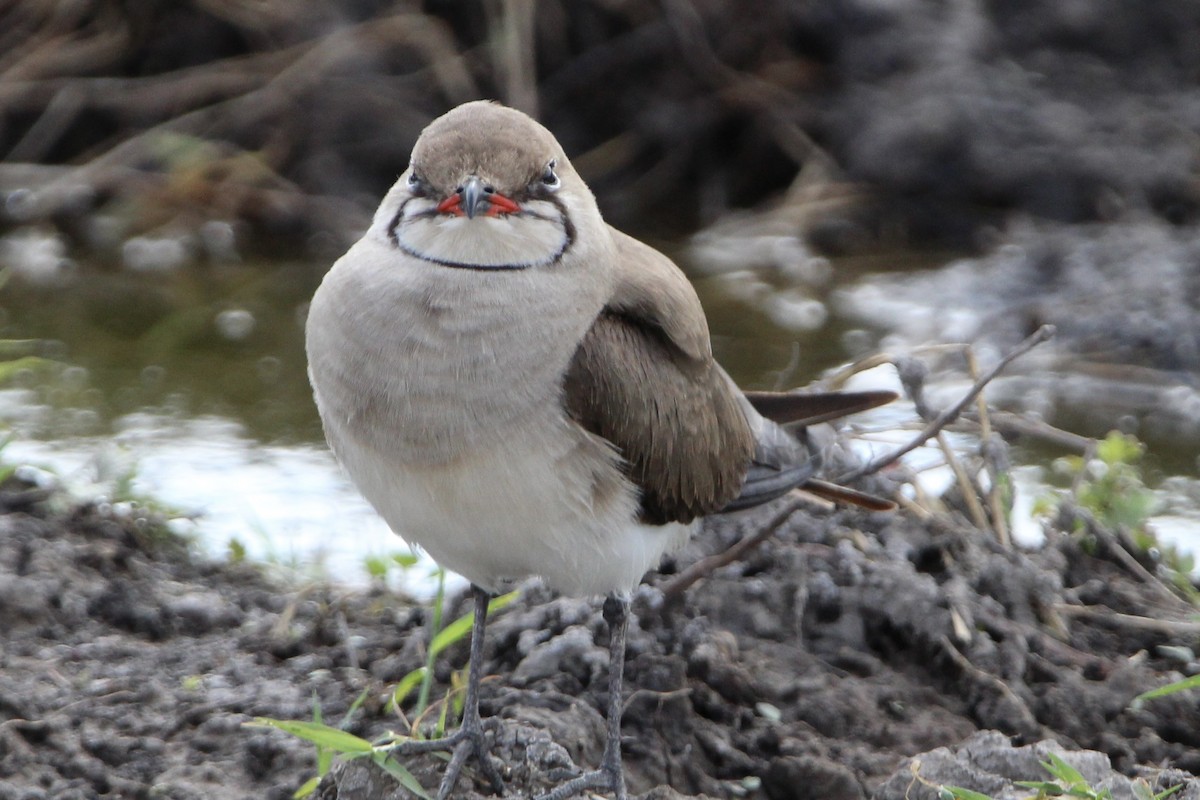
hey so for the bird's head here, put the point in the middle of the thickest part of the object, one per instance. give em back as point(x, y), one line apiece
point(487, 188)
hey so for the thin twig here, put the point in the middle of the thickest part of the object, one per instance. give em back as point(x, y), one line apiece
point(838, 379)
point(706, 566)
point(1118, 620)
point(949, 415)
point(970, 497)
point(993, 682)
point(1127, 560)
point(990, 451)
point(1010, 425)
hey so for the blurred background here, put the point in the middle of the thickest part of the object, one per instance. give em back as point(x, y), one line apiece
point(840, 178)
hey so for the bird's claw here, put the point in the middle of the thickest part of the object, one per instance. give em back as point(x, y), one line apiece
point(467, 741)
point(608, 778)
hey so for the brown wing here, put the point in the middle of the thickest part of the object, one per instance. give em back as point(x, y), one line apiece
point(673, 417)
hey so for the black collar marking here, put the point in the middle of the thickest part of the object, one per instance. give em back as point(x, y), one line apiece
point(564, 218)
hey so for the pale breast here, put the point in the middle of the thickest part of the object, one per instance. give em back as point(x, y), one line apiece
point(430, 363)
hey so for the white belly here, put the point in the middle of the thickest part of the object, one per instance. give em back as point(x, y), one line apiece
point(550, 502)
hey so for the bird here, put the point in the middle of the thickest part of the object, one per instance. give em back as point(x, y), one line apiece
point(522, 390)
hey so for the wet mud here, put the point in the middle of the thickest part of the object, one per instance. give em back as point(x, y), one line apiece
point(851, 655)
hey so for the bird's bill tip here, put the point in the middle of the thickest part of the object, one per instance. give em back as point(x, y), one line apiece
point(472, 199)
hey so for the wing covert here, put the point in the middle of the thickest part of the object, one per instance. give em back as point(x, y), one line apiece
point(673, 417)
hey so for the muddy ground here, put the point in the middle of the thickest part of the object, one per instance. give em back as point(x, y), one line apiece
point(812, 668)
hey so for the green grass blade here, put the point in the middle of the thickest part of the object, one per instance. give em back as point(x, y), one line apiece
point(405, 560)
point(458, 629)
point(324, 754)
point(355, 706)
point(439, 602)
point(319, 734)
point(406, 685)
point(959, 793)
point(400, 773)
point(1063, 771)
point(1170, 689)
point(307, 788)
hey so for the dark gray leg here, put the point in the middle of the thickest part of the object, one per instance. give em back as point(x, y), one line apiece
point(468, 740)
point(609, 776)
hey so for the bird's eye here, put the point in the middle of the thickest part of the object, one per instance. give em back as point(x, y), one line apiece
point(550, 177)
point(415, 184)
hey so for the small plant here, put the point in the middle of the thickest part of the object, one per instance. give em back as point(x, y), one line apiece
point(1142, 790)
point(236, 551)
point(442, 638)
point(959, 793)
point(1067, 782)
point(379, 567)
point(336, 741)
point(1109, 484)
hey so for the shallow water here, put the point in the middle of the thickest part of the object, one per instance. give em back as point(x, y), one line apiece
point(188, 386)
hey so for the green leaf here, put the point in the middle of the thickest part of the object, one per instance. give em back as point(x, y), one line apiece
point(355, 706)
point(1063, 771)
point(1118, 448)
point(406, 560)
point(319, 734)
point(1170, 689)
point(237, 551)
point(398, 771)
point(324, 754)
point(959, 793)
point(307, 788)
point(406, 685)
point(458, 629)
point(440, 730)
point(376, 566)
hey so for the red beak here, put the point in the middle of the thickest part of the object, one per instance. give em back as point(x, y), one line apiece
point(473, 197)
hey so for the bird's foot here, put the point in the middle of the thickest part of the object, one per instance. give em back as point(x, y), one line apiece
point(469, 740)
point(609, 777)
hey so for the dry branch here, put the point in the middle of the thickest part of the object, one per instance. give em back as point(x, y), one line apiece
point(948, 416)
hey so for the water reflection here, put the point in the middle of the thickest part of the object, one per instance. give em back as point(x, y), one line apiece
point(224, 341)
point(287, 505)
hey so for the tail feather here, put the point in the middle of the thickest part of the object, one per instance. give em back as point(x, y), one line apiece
point(844, 494)
point(786, 459)
point(788, 408)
